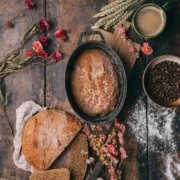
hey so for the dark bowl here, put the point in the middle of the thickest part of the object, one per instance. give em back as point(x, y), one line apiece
point(148, 68)
point(119, 68)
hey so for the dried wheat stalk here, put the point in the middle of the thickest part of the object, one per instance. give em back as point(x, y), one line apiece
point(112, 5)
point(116, 12)
point(119, 8)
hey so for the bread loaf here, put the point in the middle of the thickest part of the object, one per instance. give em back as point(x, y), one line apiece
point(54, 174)
point(95, 83)
point(46, 135)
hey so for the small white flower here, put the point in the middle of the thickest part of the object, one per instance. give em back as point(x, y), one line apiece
point(99, 178)
point(90, 160)
point(84, 152)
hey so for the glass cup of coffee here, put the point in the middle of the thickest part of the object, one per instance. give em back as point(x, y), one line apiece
point(149, 20)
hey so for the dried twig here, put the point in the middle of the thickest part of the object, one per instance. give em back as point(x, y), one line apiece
point(3, 103)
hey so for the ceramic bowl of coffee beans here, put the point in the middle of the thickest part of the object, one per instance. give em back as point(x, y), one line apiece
point(161, 81)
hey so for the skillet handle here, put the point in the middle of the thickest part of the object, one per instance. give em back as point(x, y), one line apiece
point(105, 130)
point(89, 33)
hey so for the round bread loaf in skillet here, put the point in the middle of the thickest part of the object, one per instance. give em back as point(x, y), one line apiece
point(46, 135)
point(95, 84)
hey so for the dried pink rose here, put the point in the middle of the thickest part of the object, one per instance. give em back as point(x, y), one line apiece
point(29, 53)
point(86, 131)
point(43, 54)
point(122, 128)
point(56, 55)
point(146, 49)
point(37, 46)
point(117, 124)
point(114, 160)
point(43, 40)
point(120, 138)
point(30, 3)
point(121, 30)
point(112, 173)
point(61, 33)
point(43, 24)
point(102, 137)
point(111, 148)
point(131, 49)
point(123, 153)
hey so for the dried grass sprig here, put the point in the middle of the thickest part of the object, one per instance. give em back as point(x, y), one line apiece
point(12, 63)
point(30, 32)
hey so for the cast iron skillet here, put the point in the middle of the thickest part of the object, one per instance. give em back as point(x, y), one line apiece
point(116, 61)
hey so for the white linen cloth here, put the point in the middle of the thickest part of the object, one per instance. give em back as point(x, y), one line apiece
point(23, 113)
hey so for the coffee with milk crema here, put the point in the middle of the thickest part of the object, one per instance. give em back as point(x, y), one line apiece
point(150, 21)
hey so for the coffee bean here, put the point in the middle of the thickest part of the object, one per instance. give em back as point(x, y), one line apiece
point(163, 82)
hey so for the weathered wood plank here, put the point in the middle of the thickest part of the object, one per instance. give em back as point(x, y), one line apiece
point(164, 151)
point(25, 85)
point(75, 17)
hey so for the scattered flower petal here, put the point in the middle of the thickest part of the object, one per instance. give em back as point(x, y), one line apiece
point(30, 3)
point(56, 55)
point(61, 33)
point(43, 54)
point(146, 49)
point(37, 46)
point(10, 24)
point(29, 53)
point(43, 24)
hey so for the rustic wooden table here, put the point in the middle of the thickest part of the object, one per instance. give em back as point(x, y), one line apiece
point(45, 84)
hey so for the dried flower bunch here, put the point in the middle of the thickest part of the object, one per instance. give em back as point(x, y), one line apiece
point(116, 13)
point(14, 62)
point(109, 148)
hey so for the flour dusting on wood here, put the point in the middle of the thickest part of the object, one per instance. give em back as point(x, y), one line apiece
point(161, 139)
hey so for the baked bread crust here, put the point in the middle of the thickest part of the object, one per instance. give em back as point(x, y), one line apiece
point(54, 174)
point(95, 83)
point(46, 135)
